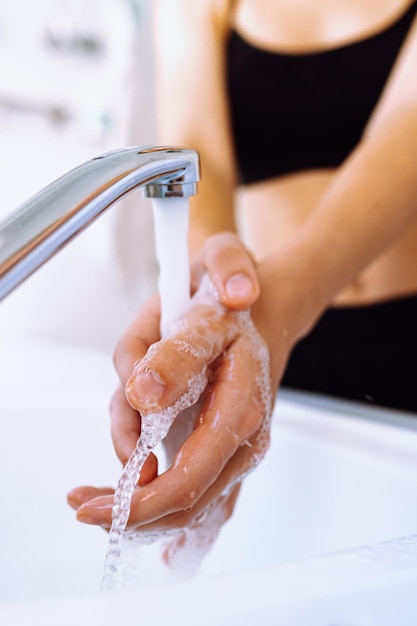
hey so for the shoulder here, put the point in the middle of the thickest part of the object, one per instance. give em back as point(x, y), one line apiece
point(214, 13)
point(399, 98)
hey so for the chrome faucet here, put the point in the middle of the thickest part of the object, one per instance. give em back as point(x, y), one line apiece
point(40, 227)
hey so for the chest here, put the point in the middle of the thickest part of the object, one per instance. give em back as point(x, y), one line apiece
point(297, 26)
point(292, 110)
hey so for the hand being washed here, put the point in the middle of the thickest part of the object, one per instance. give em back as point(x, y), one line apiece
point(231, 429)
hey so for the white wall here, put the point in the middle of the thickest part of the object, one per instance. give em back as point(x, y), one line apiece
point(90, 290)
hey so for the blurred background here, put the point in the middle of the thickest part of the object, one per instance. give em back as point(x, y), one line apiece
point(76, 80)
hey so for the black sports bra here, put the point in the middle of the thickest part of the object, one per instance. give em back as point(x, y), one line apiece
point(291, 112)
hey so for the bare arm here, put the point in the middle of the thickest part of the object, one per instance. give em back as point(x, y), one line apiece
point(368, 206)
point(370, 203)
point(191, 104)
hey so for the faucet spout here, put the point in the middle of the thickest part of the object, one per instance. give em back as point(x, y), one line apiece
point(40, 227)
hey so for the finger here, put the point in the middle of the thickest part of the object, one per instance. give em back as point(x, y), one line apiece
point(124, 425)
point(231, 269)
point(99, 510)
point(223, 491)
point(79, 495)
point(125, 432)
point(143, 331)
point(125, 422)
point(196, 539)
point(221, 495)
point(171, 365)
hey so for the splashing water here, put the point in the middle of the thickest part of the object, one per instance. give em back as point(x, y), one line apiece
point(155, 427)
point(171, 224)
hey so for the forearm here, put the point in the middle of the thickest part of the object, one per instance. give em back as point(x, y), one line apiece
point(192, 108)
point(212, 210)
point(371, 202)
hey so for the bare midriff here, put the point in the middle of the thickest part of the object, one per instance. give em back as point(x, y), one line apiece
point(270, 212)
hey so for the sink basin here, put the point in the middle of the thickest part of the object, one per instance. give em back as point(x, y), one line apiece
point(323, 532)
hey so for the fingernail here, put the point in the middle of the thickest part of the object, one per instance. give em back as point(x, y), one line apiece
point(145, 389)
point(87, 519)
point(103, 509)
point(239, 286)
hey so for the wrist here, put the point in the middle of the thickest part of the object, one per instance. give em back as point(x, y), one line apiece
point(290, 303)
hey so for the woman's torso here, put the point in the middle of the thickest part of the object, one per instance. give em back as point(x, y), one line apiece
point(271, 209)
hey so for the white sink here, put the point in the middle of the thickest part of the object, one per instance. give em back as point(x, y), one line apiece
point(315, 538)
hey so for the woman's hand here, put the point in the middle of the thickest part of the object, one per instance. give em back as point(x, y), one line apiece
point(231, 428)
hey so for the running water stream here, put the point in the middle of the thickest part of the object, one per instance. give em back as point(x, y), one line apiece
point(171, 237)
point(171, 233)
